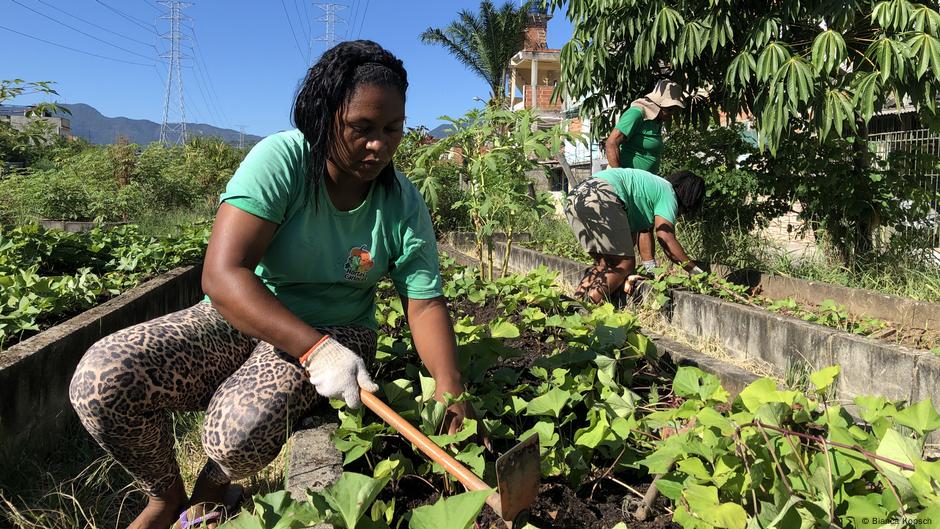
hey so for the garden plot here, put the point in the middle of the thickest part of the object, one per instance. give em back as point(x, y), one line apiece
point(885, 317)
point(48, 276)
point(749, 334)
point(610, 416)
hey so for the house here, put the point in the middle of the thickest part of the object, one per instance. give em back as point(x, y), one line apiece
point(534, 74)
point(15, 116)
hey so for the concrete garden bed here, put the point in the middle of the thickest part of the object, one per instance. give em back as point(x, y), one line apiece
point(903, 311)
point(35, 373)
point(868, 366)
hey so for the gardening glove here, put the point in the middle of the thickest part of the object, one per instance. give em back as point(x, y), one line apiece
point(648, 267)
point(335, 371)
point(696, 271)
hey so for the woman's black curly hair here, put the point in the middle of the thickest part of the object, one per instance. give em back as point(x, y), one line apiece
point(327, 89)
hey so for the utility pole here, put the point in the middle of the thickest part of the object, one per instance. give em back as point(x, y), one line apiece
point(330, 19)
point(174, 80)
point(241, 136)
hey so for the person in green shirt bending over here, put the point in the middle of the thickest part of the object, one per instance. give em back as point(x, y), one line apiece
point(637, 143)
point(606, 211)
point(311, 221)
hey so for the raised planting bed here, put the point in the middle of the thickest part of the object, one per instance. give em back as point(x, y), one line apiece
point(790, 344)
point(77, 226)
point(902, 320)
point(48, 276)
point(35, 373)
point(609, 415)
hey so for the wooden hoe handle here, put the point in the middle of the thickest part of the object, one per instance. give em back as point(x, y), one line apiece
point(430, 449)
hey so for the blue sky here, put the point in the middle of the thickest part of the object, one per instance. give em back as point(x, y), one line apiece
point(247, 63)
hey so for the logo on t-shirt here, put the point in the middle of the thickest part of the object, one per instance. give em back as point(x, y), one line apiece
point(358, 263)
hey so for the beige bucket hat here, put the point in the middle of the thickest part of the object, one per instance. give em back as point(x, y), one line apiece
point(667, 93)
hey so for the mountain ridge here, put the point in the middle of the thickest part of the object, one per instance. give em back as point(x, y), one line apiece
point(88, 123)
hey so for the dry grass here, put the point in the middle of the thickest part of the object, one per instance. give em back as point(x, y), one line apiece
point(654, 321)
point(80, 487)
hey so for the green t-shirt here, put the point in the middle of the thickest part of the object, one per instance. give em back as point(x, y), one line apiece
point(643, 145)
point(323, 264)
point(644, 195)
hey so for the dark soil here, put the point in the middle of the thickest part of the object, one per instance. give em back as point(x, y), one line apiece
point(560, 507)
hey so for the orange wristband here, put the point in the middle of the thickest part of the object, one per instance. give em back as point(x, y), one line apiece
point(305, 355)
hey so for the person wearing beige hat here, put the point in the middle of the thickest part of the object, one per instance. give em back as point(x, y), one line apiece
point(636, 143)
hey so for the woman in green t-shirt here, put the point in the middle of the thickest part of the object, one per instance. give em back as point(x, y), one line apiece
point(606, 211)
point(637, 143)
point(308, 225)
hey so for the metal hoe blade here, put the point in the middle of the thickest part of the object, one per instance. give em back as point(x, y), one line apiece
point(517, 479)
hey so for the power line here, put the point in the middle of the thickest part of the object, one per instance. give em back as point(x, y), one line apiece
point(289, 23)
point(362, 20)
point(75, 49)
point(304, 27)
point(151, 28)
point(352, 24)
point(306, 18)
point(205, 100)
point(153, 6)
point(90, 23)
point(203, 65)
point(73, 28)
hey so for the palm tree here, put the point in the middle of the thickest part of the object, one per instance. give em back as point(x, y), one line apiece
point(484, 42)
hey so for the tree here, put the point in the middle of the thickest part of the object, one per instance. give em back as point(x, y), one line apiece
point(833, 61)
point(818, 66)
point(484, 42)
point(16, 145)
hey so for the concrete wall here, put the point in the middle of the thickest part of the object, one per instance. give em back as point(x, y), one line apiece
point(35, 373)
point(904, 311)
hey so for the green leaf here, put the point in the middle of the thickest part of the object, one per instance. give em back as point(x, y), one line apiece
point(594, 434)
point(703, 501)
point(455, 512)
point(550, 403)
point(761, 391)
point(828, 51)
point(352, 495)
point(277, 510)
point(892, 14)
point(824, 378)
point(890, 56)
point(921, 417)
point(926, 19)
point(693, 382)
point(739, 71)
point(771, 59)
point(866, 93)
point(546, 432)
point(925, 49)
point(504, 329)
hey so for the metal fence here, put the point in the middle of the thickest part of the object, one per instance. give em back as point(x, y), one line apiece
point(925, 173)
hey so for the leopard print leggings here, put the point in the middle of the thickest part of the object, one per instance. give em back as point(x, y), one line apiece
point(128, 383)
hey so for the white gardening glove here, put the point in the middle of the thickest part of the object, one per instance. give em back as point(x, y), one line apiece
point(649, 266)
point(335, 371)
point(696, 271)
